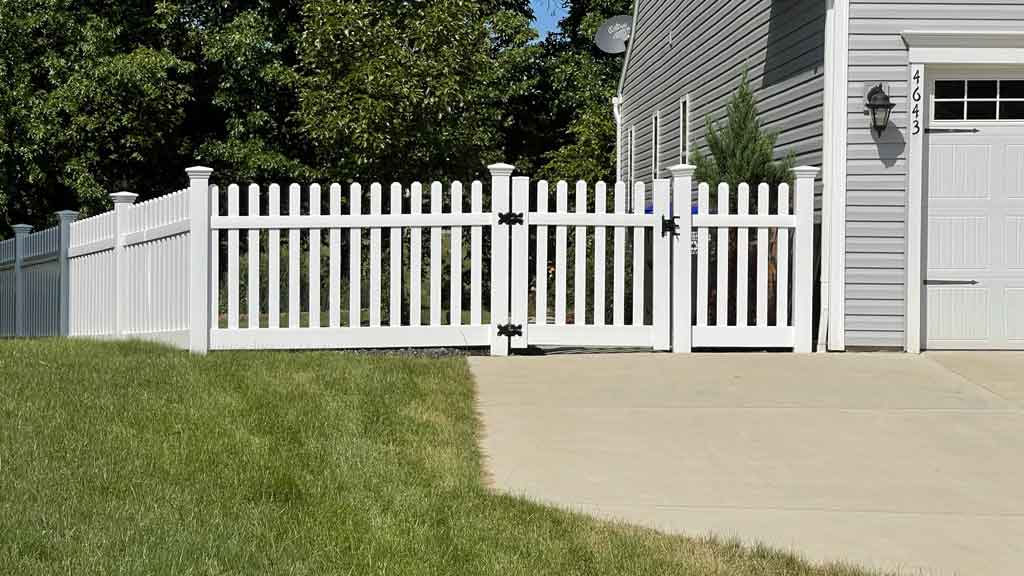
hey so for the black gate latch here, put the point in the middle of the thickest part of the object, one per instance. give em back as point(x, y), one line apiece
point(670, 226)
point(510, 218)
point(510, 330)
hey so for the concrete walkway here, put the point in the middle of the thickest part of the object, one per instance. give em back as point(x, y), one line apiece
point(897, 462)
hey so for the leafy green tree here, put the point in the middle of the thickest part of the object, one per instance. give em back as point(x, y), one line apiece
point(740, 151)
point(581, 81)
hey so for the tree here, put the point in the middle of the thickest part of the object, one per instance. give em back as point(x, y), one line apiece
point(741, 151)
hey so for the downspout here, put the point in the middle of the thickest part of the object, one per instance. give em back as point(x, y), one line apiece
point(828, 166)
point(617, 110)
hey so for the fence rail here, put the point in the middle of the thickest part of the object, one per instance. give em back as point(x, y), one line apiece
point(425, 264)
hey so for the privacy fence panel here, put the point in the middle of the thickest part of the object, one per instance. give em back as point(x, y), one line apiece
point(8, 288)
point(93, 269)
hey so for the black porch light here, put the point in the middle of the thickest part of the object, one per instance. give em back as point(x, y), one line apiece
point(880, 107)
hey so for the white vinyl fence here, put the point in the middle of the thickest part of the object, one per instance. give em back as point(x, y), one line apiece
point(425, 265)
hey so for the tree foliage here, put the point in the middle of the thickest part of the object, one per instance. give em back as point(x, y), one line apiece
point(99, 97)
point(740, 151)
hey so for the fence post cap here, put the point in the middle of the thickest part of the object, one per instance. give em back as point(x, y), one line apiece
point(124, 197)
point(501, 169)
point(67, 215)
point(682, 170)
point(806, 171)
point(21, 229)
point(198, 172)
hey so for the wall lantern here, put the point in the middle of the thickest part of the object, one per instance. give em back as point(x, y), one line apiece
point(880, 107)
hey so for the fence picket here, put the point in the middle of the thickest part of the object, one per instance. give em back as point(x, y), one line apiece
point(233, 260)
point(455, 306)
point(742, 258)
point(703, 199)
point(476, 258)
point(375, 257)
point(722, 282)
point(762, 258)
point(395, 250)
point(580, 268)
point(435, 256)
point(639, 258)
point(334, 265)
point(294, 247)
point(600, 207)
point(214, 293)
point(619, 266)
point(561, 240)
point(254, 259)
point(416, 260)
point(314, 259)
point(274, 261)
point(782, 263)
point(541, 296)
point(355, 254)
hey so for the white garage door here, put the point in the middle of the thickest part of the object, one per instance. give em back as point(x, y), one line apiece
point(974, 295)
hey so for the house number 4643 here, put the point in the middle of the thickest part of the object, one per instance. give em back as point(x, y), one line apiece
point(916, 111)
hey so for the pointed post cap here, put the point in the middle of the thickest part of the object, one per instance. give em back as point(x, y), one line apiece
point(123, 197)
point(501, 169)
point(806, 171)
point(682, 170)
point(198, 172)
point(21, 229)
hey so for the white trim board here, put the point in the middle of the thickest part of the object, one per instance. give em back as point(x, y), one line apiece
point(927, 49)
point(833, 222)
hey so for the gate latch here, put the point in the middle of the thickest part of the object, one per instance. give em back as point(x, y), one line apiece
point(510, 218)
point(670, 226)
point(510, 330)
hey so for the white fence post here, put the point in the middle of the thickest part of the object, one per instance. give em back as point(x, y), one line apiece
point(65, 218)
point(199, 279)
point(803, 259)
point(661, 270)
point(682, 258)
point(123, 202)
point(501, 183)
point(21, 232)
point(520, 259)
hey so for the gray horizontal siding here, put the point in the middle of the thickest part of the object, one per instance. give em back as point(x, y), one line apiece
point(876, 174)
point(700, 47)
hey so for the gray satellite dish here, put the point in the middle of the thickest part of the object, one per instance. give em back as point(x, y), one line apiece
point(613, 34)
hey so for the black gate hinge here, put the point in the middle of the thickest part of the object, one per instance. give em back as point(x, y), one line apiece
point(510, 330)
point(511, 218)
point(670, 226)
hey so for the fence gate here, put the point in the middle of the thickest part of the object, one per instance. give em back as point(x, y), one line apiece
point(591, 268)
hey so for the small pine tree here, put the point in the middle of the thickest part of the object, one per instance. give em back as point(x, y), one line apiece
point(741, 152)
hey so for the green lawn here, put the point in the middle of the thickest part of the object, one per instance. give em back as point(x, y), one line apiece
point(135, 459)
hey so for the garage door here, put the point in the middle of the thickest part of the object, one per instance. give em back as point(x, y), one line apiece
point(974, 295)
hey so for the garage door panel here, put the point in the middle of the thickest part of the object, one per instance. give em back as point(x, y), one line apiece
point(960, 171)
point(1014, 171)
point(1014, 302)
point(1015, 242)
point(959, 242)
point(958, 314)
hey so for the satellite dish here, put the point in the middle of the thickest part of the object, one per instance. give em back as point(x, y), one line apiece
point(613, 34)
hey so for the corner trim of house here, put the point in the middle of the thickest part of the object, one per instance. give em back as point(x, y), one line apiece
point(833, 270)
point(938, 47)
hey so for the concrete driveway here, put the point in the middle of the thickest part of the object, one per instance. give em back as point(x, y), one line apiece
point(906, 463)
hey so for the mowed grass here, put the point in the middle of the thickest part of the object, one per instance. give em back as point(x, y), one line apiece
point(129, 458)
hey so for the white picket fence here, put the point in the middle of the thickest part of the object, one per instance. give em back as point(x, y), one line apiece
point(425, 265)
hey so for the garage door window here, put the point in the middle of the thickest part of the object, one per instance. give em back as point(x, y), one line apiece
point(978, 100)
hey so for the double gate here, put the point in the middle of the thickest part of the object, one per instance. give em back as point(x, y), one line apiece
point(649, 268)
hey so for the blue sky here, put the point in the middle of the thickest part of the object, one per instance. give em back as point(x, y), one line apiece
point(548, 13)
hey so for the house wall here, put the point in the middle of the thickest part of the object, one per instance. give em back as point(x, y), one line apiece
point(876, 168)
point(699, 47)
